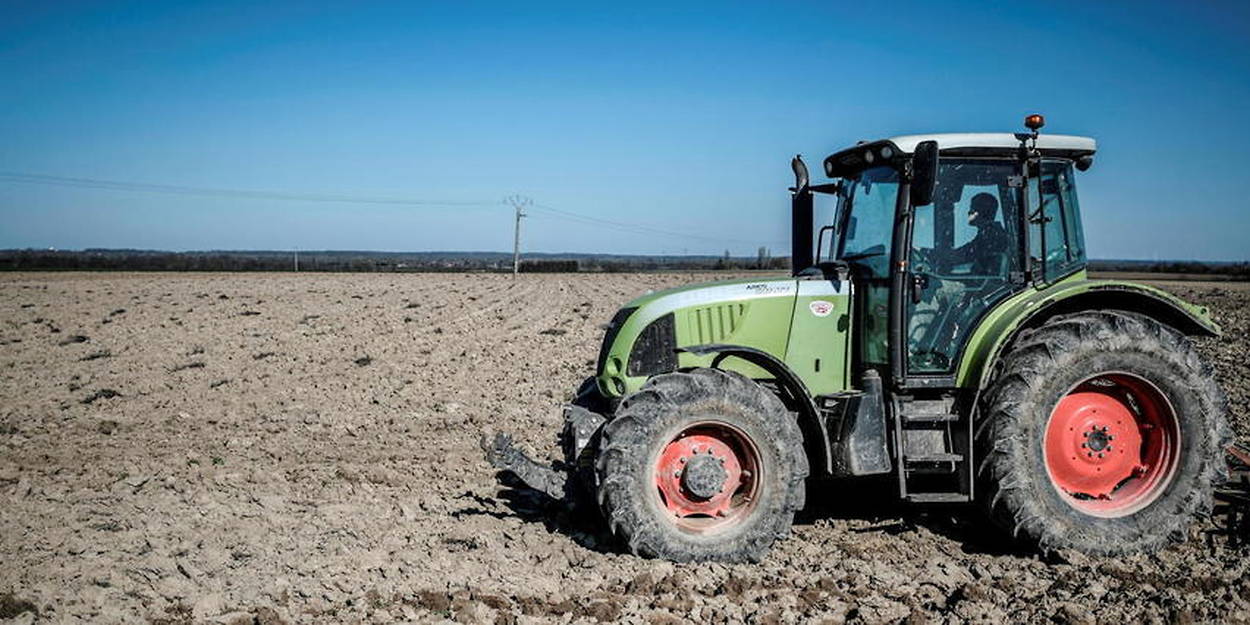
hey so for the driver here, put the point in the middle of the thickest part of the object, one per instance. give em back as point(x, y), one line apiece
point(985, 250)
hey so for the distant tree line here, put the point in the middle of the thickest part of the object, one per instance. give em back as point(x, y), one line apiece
point(347, 261)
point(1234, 270)
point(360, 261)
point(139, 260)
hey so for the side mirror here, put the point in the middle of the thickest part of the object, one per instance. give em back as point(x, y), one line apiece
point(924, 170)
point(801, 178)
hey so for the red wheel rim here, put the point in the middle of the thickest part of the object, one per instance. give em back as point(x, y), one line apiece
point(1112, 445)
point(707, 477)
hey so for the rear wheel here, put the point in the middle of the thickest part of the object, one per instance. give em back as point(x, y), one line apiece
point(705, 465)
point(1102, 432)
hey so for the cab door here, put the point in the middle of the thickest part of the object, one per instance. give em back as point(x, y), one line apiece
point(964, 255)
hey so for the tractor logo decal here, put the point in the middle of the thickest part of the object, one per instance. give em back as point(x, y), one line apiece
point(821, 308)
point(768, 289)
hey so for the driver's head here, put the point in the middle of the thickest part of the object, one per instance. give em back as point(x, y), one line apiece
point(984, 209)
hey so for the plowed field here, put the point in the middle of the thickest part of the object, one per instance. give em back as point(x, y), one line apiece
point(303, 448)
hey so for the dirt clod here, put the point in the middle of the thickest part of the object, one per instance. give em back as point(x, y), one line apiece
point(104, 393)
point(11, 606)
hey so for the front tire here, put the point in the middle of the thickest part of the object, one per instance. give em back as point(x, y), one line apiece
point(1103, 432)
point(705, 465)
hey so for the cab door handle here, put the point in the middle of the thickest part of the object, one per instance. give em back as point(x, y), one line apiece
point(919, 282)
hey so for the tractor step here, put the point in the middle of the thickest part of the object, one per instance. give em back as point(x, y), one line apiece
point(942, 405)
point(938, 498)
point(942, 457)
point(933, 443)
point(944, 417)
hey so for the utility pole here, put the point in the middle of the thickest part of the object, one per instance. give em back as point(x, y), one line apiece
point(297, 260)
point(518, 202)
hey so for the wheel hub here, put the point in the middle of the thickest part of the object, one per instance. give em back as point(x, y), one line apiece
point(704, 476)
point(1098, 439)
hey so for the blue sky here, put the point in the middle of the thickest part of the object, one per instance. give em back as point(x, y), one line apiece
point(680, 118)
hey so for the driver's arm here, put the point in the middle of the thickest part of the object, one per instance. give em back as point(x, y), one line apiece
point(962, 254)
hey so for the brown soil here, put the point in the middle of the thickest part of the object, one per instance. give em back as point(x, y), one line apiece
point(303, 448)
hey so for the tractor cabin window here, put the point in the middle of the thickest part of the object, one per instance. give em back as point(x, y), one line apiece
point(1065, 243)
point(964, 248)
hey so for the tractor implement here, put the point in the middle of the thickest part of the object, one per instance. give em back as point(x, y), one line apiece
point(938, 327)
point(503, 454)
point(556, 480)
point(1233, 499)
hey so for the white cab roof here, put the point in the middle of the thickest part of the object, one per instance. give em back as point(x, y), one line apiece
point(954, 140)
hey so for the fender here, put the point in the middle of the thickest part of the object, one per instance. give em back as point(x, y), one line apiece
point(999, 329)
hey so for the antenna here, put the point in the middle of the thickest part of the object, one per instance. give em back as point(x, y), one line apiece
point(518, 202)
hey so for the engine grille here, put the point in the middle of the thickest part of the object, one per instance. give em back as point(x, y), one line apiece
point(712, 324)
point(655, 351)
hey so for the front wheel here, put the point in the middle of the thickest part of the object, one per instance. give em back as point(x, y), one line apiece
point(1104, 433)
point(705, 465)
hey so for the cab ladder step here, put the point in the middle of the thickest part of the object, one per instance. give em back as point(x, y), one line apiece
point(935, 457)
point(944, 417)
point(938, 498)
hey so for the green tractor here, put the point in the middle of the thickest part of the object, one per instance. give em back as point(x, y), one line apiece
point(939, 328)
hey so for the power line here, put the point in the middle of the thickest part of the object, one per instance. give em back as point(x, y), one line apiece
point(114, 185)
point(257, 194)
point(638, 228)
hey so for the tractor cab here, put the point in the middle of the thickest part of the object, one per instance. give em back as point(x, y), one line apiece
point(935, 231)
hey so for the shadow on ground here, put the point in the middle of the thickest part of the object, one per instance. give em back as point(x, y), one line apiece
point(580, 521)
point(875, 500)
point(872, 500)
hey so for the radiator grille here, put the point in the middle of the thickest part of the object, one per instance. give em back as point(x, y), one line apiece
point(714, 324)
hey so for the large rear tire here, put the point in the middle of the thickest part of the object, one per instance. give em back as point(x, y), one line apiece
point(705, 465)
point(1102, 432)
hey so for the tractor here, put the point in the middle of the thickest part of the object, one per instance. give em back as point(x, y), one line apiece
point(939, 331)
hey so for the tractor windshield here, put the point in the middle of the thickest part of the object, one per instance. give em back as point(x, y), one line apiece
point(867, 218)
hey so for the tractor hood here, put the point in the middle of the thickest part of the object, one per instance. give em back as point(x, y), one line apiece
point(644, 337)
point(658, 303)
